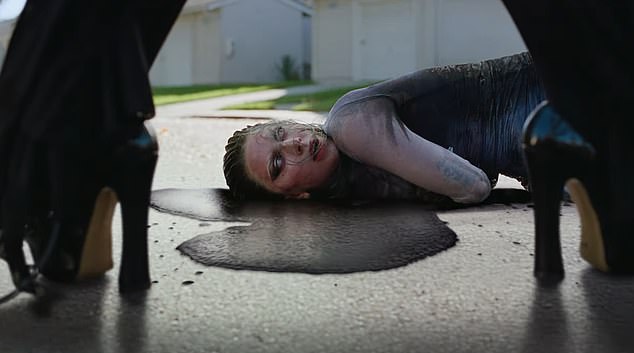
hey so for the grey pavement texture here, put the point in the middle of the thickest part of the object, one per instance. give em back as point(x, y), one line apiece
point(479, 296)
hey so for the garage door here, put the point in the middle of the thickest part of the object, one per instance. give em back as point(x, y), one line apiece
point(472, 30)
point(384, 39)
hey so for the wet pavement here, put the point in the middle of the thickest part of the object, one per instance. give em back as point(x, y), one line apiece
point(307, 236)
point(477, 296)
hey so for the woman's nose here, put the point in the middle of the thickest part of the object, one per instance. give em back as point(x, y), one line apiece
point(294, 146)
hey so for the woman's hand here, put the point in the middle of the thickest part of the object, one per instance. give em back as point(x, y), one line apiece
point(473, 183)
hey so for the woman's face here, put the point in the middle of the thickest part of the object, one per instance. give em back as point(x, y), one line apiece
point(290, 159)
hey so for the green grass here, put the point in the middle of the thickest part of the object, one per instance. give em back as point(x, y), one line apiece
point(168, 95)
point(319, 102)
point(264, 105)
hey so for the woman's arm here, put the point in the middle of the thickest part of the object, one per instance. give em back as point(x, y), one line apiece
point(380, 140)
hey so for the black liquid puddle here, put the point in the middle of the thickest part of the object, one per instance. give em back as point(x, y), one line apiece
point(306, 236)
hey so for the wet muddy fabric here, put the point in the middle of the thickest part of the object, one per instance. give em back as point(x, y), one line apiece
point(477, 111)
point(307, 236)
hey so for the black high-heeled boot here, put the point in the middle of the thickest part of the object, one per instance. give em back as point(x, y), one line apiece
point(21, 174)
point(81, 227)
point(555, 154)
point(132, 182)
point(604, 199)
point(75, 242)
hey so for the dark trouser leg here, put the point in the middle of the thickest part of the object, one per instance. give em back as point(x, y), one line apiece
point(583, 51)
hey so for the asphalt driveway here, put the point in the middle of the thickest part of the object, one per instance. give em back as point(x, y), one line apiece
point(478, 296)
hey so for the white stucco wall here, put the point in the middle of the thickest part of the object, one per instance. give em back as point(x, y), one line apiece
point(332, 40)
point(232, 41)
point(383, 44)
point(191, 53)
point(207, 47)
point(2, 54)
point(439, 32)
point(473, 30)
point(262, 31)
point(173, 65)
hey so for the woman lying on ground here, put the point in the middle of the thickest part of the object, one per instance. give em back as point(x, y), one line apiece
point(440, 134)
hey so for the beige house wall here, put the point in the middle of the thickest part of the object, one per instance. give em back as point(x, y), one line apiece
point(443, 32)
point(3, 51)
point(225, 41)
point(426, 18)
point(173, 65)
point(473, 30)
point(332, 41)
point(206, 46)
point(6, 29)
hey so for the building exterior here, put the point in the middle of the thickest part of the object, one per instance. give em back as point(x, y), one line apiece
point(6, 29)
point(378, 39)
point(219, 41)
point(9, 11)
point(222, 41)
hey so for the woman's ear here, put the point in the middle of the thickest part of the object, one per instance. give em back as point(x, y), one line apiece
point(300, 196)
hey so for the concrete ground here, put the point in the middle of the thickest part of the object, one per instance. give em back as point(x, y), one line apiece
point(479, 296)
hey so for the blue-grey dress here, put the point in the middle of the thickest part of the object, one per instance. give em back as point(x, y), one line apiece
point(475, 110)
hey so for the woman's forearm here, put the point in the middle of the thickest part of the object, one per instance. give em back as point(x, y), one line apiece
point(384, 143)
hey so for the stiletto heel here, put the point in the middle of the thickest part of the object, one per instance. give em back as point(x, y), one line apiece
point(554, 153)
point(547, 188)
point(133, 183)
